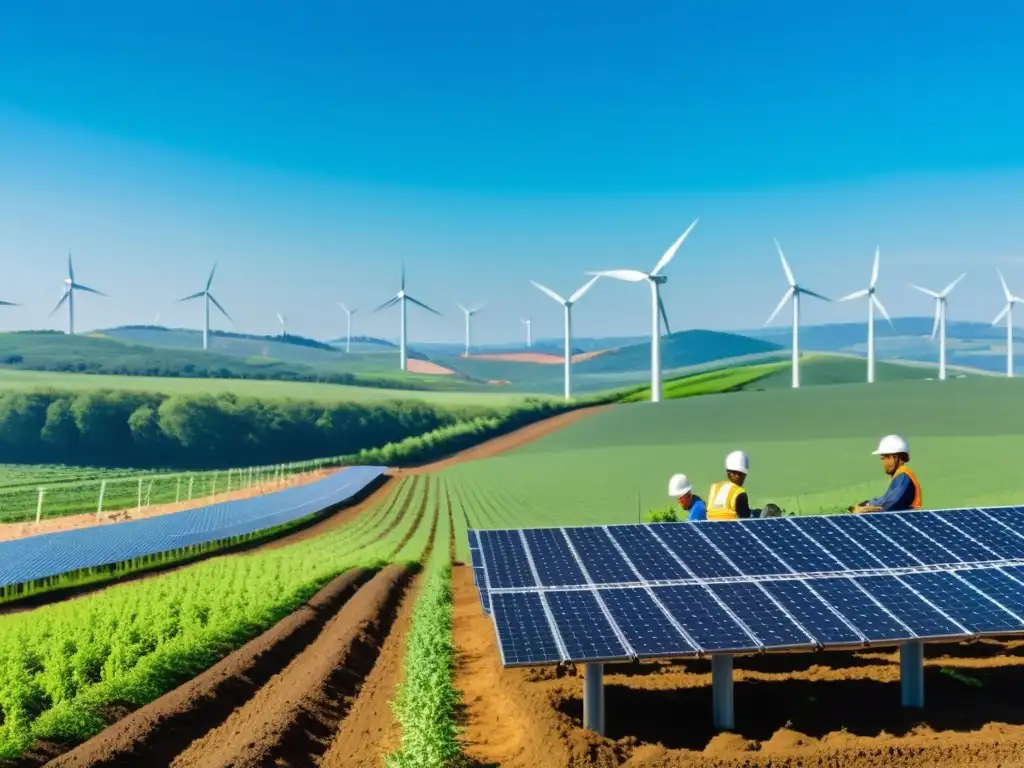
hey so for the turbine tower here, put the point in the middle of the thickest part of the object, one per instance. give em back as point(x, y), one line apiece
point(70, 286)
point(529, 331)
point(469, 315)
point(567, 304)
point(655, 280)
point(281, 319)
point(794, 292)
point(207, 298)
point(872, 303)
point(348, 326)
point(940, 319)
point(401, 299)
point(1008, 314)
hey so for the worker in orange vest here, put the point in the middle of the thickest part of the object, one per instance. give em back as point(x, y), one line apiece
point(904, 490)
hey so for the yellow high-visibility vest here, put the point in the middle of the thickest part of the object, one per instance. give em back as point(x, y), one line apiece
point(721, 502)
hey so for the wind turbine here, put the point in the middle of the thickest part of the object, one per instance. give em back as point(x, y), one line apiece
point(1008, 313)
point(207, 298)
point(70, 286)
point(469, 315)
point(281, 319)
point(348, 332)
point(793, 292)
point(401, 298)
point(940, 319)
point(567, 303)
point(872, 303)
point(529, 331)
point(658, 313)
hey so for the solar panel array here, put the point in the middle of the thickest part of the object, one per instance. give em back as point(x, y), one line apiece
point(51, 554)
point(626, 592)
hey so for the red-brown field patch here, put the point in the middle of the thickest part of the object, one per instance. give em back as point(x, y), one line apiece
point(537, 358)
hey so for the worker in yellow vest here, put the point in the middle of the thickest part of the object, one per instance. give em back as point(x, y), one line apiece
point(904, 490)
point(727, 500)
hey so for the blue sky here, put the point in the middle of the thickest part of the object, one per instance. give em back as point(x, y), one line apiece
point(487, 144)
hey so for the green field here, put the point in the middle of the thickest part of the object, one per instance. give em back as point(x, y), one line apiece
point(810, 451)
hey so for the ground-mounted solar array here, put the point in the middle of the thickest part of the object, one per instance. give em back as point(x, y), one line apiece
point(604, 593)
point(52, 554)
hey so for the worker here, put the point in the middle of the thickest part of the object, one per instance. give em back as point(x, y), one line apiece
point(727, 500)
point(680, 489)
point(904, 490)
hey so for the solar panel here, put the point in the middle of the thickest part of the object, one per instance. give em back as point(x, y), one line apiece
point(524, 632)
point(691, 548)
point(964, 603)
point(796, 549)
point(1003, 541)
point(921, 617)
point(742, 549)
point(768, 622)
point(603, 561)
point(553, 558)
point(826, 624)
point(647, 628)
point(52, 554)
point(587, 634)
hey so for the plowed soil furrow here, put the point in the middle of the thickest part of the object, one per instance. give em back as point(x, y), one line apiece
point(157, 732)
point(416, 522)
point(294, 717)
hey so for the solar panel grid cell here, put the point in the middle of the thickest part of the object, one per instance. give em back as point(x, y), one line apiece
point(770, 625)
point(507, 564)
point(911, 539)
point(552, 557)
point(599, 556)
point(839, 545)
point(645, 625)
point(524, 633)
point(962, 603)
point(742, 549)
point(693, 550)
point(974, 523)
point(948, 537)
point(923, 619)
point(647, 556)
point(1001, 587)
point(697, 611)
point(585, 630)
point(813, 614)
point(799, 552)
point(886, 551)
point(870, 619)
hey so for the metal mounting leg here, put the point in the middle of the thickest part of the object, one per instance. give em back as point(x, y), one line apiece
point(912, 674)
point(593, 698)
point(721, 693)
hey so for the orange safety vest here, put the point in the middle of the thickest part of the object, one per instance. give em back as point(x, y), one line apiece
point(904, 470)
point(721, 501)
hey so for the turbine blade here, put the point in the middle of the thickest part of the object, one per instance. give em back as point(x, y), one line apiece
point(462, 307)
point(785, 297)
point(60, 303)
point(549, 292)
point(9, 304)
point(87, 289)
point(671, 252)
point(952, 285)
point(218, 306)
point(193, 296)
point(925, 291)
point(815, 295)
point(629, 275)
point(1002, 314)
point(71, 269)
point(874, 269)
point(855, 295)
point(664, 315)
point(419, 303)
point(209, 280)
point(1006, 288)
point(785, 266)
point(935, 325)
point(280, 318)
point(389, 303)
point(878, 305)
point(342, 305)
point(403, 275)
point(586, 287)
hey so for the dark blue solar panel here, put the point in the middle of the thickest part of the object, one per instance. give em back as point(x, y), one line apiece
point(644, 624)
point(741, 548)
point(979, 526)
point(693, 549)
point(947, 536)
point(585, 630)
point(602, 561)
point(524, 634)
point(51, 554)
point(649, 557)
point(997, 585)
point(912, 610)
point(816, 617)
point(889, 553)
point(781, 536)
point(897, 529)
point(860, 610)
point(754, 608)
point(839, 545)
point(1011, 516)
point(552, 558)
point(710, 626)
point(961, 603)
point(507, 566)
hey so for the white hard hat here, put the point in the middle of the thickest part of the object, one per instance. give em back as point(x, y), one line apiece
point(891, 444)
point(737, 461)
point(679, 485)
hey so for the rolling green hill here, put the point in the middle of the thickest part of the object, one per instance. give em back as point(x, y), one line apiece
point(821, 369)
point(678, 350)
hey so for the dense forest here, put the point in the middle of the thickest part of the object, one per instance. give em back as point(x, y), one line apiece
point(129, 429)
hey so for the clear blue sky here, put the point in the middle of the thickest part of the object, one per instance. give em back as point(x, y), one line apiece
point(309, 152)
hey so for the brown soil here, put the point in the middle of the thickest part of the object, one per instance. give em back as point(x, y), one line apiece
point(537, 358)
point(507, 442)
point(839, 710)
point(426, 366)
point(10, 531)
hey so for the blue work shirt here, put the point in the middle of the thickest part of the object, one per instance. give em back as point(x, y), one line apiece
point(897, 498)
point(698, 511)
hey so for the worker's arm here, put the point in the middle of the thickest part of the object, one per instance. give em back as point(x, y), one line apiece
point(897, 498)
point(742, 506)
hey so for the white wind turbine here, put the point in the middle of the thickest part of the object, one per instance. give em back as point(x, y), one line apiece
point(940, 319)
point(207, 297)
point(348, 326)
point(469, 316)
point(529, 331)
point(1008, 314)
point(658, 313)
point(872, 303)
point(401, 298)
point(281, 319)
point(567, 304)
point(70, 286)
point(793, 292)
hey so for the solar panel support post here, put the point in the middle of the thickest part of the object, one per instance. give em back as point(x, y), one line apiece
point(593, 698)
point(723, 716)
point(912, 674)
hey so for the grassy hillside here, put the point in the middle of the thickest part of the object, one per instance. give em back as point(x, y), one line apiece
point(678, 350)
point(810, 450)
point(820, 369)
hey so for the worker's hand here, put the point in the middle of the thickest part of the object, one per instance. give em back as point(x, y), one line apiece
point(857, 509)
